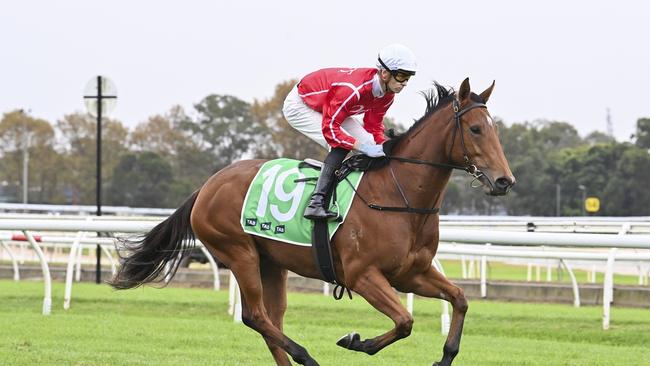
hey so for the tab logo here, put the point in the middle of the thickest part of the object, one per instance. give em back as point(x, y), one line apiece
point(265, 226)
point(251, 222)
point(279, 229)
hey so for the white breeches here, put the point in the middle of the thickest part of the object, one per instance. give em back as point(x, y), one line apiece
point(309, 122)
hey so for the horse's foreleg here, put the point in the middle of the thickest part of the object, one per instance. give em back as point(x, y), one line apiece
point(374, 287)
point(433, 284)
point(274, 285)
point(254, 314)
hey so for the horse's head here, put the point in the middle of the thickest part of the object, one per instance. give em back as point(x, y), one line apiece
point(475, 143)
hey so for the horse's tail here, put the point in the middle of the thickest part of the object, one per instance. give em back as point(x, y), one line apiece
point(156, 257)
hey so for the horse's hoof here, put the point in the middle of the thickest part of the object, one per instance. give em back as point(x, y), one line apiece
point(347, 340)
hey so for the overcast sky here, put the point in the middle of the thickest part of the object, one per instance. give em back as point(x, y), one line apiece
point(559, 60)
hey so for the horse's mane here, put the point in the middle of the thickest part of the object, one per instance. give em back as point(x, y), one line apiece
point(436, 98)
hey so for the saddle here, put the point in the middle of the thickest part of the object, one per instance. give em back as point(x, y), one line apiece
point(358, 162)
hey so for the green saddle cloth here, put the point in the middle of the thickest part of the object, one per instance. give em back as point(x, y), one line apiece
point(275, 202)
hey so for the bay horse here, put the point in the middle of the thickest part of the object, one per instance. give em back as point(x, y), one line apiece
point(374, 252)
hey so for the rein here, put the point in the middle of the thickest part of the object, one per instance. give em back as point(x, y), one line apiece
point(469, 167)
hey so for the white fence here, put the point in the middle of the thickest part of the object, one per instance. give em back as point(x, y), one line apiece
point(556, 226)
point(84, 209)
point(447, 235)
point(82, 228)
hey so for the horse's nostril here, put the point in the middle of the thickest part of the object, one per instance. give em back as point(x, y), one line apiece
point(502, 183)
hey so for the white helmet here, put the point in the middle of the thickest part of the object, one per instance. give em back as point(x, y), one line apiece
point(397, 57)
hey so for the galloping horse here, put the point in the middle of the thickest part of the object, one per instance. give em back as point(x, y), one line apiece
point(371, 257)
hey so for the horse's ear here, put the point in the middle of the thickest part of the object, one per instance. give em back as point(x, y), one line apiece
point(463, 92)
point(486, 93)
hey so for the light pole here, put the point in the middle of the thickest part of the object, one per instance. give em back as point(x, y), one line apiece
point(27, 137)
point(100, 97)
point(584, 198)
point(558, 197)
point(26, 142)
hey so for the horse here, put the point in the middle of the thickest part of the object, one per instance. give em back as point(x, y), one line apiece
point(371, 258)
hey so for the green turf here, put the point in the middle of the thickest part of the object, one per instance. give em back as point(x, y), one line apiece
point(176, 326)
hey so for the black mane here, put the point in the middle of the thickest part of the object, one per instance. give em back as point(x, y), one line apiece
point(435, 100)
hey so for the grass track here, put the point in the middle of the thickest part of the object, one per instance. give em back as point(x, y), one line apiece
point(176, 326)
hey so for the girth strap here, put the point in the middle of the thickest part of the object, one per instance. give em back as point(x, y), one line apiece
point(426, 211)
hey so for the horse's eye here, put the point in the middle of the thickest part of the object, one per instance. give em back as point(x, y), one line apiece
point(475, 129)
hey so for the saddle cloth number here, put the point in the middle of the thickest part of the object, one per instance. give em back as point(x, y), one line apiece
point(274, 183)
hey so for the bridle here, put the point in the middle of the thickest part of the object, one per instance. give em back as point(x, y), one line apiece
point(469, 166)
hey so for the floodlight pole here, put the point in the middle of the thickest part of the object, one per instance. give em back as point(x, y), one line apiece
point(558, 202)
point(26, 140)
point(584, 197)
point(99, 147)
point(98, 251)
point(99, 97)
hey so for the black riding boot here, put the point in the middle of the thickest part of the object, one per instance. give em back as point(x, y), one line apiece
point(317, 208)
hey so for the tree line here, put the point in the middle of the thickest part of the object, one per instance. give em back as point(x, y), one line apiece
point(550, 157)
point(164, 159)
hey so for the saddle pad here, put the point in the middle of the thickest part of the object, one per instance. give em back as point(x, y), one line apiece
point(275, 203)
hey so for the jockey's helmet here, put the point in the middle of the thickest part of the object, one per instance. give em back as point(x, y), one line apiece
point(397, 58)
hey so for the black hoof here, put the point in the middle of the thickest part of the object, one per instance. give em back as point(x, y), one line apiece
point(348, 340)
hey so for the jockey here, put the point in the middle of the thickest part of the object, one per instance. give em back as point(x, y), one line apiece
point(326, 106)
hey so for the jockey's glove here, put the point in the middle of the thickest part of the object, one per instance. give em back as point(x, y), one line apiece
point(372, 150)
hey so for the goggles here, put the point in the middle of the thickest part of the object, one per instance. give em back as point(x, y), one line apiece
point(399, 75)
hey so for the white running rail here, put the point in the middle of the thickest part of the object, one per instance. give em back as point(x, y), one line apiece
point(496, 238)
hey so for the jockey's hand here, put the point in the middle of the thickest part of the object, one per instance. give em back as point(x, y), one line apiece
point(372, 150)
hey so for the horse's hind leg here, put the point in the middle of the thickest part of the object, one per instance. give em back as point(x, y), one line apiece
point(374, 287)
point(433, 284)
point(274, 287)
point(246, 269)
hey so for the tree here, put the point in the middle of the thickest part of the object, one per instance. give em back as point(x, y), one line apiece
point(225, 127)
point(453, 199)
point(20, 131)
point(163, 135)
point(528, 154)
point(78, 146)
point(555, 135)
point(642, 134)
point(542, 155)
point(464, 196)
point(626, 193)
point(594, 167)
point(598, 137)
point(284, 140)
point(158, 135)
point(141, 179)
point(391, 124)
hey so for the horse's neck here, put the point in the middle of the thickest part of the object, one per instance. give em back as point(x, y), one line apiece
point(425, 184)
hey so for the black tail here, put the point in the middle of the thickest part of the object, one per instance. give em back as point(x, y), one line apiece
point(146, 260)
